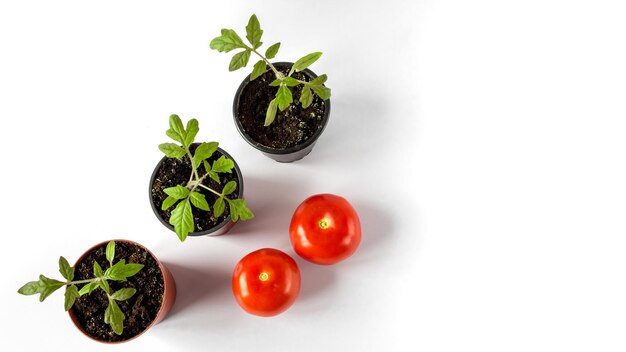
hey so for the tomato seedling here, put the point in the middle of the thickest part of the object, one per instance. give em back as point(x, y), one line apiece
point(188, 195)
point(119, 271)
point(325, 229)
point(266, 282)
point(230, 40)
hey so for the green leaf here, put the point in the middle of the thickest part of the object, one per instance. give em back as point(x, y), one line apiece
point(168, 202)
point(290, 81)
point(223, 164)
point(104, 285)
point(44, 286)
point(110, 252)
point(71, 293)
point(199, 201)
point(239, 60)
point(272, 51)
point(65, 269)
point(276, 83)
point(229, 188)
point(270, 114)
point(205, 150)
point(192, 130)
point(218, 207)
point(48, 286)
point(88, 288)
point(97, 269)
point(182, 219)
point(213, 175)
point(228, 41)
point(259, 69)
point(319, 80)
point(176, 131)
point(283, 98)
point(120, 271)
point(254, 31)
point(321, 91)
point(239, 210)
point(306, 97)
point(31, 288)
point(172, 150)
point(123, 294)
point(113, 316)
point(177, 192)
point(207, 166)
point(305, 62)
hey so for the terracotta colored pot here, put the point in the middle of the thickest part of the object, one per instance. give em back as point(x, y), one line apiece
point(169, 293)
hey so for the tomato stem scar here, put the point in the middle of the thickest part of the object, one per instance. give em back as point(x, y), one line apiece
point(324, 224)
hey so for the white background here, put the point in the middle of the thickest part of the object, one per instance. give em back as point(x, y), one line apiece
point(482, 143)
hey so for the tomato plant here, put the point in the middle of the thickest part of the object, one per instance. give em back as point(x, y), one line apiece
point(266, 282)
point(325, 229)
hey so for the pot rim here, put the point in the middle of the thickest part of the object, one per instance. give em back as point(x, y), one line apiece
point(167, 289)
point(227, 222)
point(276, 151)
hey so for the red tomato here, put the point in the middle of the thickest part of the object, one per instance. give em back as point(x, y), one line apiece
point(325, 229)
point(266, 282)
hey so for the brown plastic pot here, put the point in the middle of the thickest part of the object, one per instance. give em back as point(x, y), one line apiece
point(286, 155)
point(169, 293)
point(219, 229)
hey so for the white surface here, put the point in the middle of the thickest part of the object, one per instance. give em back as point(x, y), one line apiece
point(482, 143)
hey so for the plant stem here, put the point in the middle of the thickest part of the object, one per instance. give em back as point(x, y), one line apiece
point(207, 188)
point(193, 169)
point(279, 75)
point(81, 281)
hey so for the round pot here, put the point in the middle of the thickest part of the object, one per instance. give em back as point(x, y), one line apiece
point(167, 301)
point(222, 227)
point(286, 155)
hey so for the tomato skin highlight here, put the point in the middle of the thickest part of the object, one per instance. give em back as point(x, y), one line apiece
point(325, 229)
point(266, 282)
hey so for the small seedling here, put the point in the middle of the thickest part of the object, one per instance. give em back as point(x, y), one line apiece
point(119, 271)
point(187, 196)
point(230, 40)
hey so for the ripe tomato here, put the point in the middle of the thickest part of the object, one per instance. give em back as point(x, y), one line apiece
point(266, 282)
point(325, 229)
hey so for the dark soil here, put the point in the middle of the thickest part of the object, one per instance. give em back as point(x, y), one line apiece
point(176, 172)
point(140, 310)
point(292, 127)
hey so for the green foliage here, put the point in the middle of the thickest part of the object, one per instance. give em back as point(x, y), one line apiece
point(259, 69)
point(65, 269)
point(187, 197)
point(119, 271)
point(254, 32)
point(71, 294)
point(283, 97)
point(230, 40)
point(305, 62)
point(270, 114)
point(271, 52)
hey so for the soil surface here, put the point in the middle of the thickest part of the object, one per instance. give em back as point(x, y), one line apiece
point(140, 310)
point(176, 172)
point(292, 127)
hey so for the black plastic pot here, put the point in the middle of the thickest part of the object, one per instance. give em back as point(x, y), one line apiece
point(281, 155)
point(219, 229)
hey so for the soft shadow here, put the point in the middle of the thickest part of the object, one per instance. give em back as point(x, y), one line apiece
point(315, 279)
point(195, 284)
point(377, 231)
point(272, 203)
point(357, 127)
